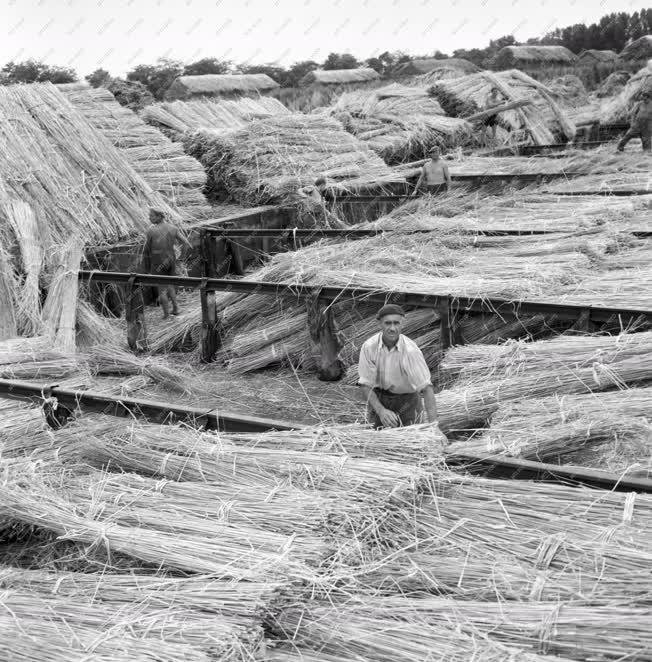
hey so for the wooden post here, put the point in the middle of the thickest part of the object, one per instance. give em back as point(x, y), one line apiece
point(135, 316)
point(323, 333)
point(446, 329)
point(583, 322)
point(236, 255)
point(211, 338)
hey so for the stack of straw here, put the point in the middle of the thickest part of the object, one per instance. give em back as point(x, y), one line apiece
point(269, 159)
point(179, 178)
point(399, 123)
point(618, 108)
point(540, 121)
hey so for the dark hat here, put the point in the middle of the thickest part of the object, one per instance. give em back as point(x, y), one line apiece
point(390, 309)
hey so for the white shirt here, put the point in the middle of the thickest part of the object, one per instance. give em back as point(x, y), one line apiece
point(401, 369)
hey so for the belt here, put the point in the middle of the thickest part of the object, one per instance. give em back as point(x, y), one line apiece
point(382, 391)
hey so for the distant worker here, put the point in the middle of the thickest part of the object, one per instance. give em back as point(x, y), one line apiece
point(640, 123)
point(394, 376)
point(434, 177)
point(159, 257)
point(489, 123)
point(313, 200)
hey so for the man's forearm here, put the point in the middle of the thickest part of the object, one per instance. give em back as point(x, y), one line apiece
point(371, 398)
point(430, 404)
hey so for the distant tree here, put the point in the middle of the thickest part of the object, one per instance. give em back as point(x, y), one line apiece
point(298, 70)
point(99, 78)
point(475, 55)
point(386, 61)
point(131, 94)
point(207, 65)
point(32, 71)
point(279, 74)
point(157, 77)
point(340, 61)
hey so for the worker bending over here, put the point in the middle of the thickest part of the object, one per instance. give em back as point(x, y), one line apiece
point(640, 123)
point(393, 375)
point(313, 201)
point(490, 123)
point(159, 257)
point(434, 177)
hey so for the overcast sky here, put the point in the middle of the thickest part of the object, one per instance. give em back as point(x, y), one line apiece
point(118, 34)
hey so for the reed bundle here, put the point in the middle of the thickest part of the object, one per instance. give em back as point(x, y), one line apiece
point(618, 108)
point(28, 230)
point(179, 178)
point(60, 308)
point(358, 630)
point(95, 330)
point(205, 634)
point(270, 159)
point(65, 641)
point(613, 428)
point(574, 631)
point(227, 551)
point(399, 123)
point(8, 289)
point(177, 117)
point(541, 120)
point(616, 182)
point(42, 365)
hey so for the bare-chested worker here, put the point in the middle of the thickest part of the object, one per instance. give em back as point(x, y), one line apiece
point(434, 177)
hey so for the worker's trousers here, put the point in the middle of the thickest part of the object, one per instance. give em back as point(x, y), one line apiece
point(407, 406)
point(646, 139)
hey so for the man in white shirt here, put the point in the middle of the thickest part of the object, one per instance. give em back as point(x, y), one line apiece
point(394, 376)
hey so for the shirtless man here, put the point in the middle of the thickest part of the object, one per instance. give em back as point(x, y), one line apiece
point(434, 177)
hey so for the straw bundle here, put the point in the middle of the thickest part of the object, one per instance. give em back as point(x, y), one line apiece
point(619, 107)
point(388, 632)
point(569, 90)
point(399, 123)
point(271, 158)
point(160, 162)
point(603, 184)
point(540, 120)
point(28, 231)
point(60, 308)
point(177, 117)
point(8, 289)
point(612, 427)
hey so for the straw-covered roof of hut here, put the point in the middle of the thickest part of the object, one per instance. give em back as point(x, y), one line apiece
point(186, 87)
point(339, 76)
point(513, 56)
point(449, 67)
point(639, 49)
point(594, 56)
point(160, 162)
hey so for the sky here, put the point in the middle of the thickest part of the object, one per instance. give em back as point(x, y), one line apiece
point(119, 34)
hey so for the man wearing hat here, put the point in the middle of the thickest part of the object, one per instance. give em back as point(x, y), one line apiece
point(640, 123)
point(434, 177)
point(393, 375)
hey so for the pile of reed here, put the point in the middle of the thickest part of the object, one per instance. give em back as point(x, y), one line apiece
point(610, 430)
point(603, 184)
point(177, 117)
point(618, 108)
point(179, 178)
point(540, 121)
point(269, 159)
point(399, 123)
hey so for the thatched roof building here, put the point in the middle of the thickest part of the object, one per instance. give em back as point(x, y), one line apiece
point(640, 49)
point(219, 85)
point(339, 77)
point(460, 66)
point(532, 56)
point(594, 56)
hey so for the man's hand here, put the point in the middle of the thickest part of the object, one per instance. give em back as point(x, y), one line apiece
point(438, 433)
point(388, 418)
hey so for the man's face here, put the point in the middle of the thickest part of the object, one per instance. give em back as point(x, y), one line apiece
point(391, 326)
point(435, 154)
point(155, 217)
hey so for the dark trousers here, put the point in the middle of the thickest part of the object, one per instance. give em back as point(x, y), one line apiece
point(646, 139)
point(435, 189)
point(406, 405)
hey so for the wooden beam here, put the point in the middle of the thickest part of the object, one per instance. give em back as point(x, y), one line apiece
point(489, 112)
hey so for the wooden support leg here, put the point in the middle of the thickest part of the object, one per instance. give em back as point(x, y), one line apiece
point(446, 327)
point(135, 316)
point(323, 333)
point(236, 254)
point(211, 337)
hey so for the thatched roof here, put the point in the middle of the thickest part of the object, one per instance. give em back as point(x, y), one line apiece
point(339, 76)
point(535, 55)
point(639, 49)
point(186, 86)
point(425, 66)
point(594, 55)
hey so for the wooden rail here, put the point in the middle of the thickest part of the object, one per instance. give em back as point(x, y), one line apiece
point(490, 466)
point(448, 306)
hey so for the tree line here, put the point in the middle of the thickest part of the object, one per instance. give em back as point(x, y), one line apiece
point(611, 32)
